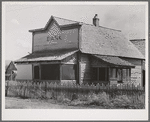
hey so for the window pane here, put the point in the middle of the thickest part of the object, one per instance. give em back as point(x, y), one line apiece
point(119, 74)
point(68, 72)
point(128, 75)
point(113, 73)
point(94, 74)
point(36, 72)
point(50, 72)
point(124, 74)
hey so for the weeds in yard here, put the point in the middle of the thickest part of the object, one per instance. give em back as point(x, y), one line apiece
point(102, 99)
point(76, 96)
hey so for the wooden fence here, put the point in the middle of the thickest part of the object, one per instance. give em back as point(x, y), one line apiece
point(31, 89)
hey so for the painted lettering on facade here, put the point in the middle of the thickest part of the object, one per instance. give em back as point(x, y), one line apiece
point(55, 38)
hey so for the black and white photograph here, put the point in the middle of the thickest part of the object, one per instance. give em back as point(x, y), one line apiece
point(74, 60)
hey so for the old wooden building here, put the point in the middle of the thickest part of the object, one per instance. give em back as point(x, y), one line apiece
point(10, 71)
point(71, 51)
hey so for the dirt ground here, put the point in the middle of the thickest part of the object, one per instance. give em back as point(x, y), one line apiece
point(18, 103)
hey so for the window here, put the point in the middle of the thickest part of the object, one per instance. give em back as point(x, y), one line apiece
point(119, 74)
point(50, 72)
point(99, 74)
point(36, 72)
point(123, 75)
point(69, 72)
point(126, 74)
point(113, 73)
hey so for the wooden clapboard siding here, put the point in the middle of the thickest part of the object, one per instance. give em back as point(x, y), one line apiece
point(136, 73)
point(69, 38)
point(24, 71)
point(68, 81)
point(85, 68)
point(143, 65)
point(70, 60)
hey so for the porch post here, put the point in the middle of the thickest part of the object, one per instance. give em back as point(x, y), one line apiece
point(39, 71)
point(78, 69)
point(98, 74)
point(60, 72)
point(108, 75)
point(32, 72)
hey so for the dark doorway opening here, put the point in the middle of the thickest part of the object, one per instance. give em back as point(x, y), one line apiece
point(102, 74)
point(143, 72)
point(36, 72)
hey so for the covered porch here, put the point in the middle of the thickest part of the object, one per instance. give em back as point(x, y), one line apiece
point(55, 72)
point(53, 66)
point(110, 70)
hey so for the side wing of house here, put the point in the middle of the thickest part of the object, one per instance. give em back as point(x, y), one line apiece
point(136, 73)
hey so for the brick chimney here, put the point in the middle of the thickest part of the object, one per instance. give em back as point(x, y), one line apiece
point(96, 20)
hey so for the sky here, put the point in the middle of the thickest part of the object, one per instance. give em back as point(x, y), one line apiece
point(20, 17)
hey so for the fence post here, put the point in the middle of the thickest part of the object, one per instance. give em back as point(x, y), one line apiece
point(45, 88)
point(24, 91)
point(6, 88)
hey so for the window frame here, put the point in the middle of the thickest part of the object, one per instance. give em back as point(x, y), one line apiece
point(98, 76)
point(111, 76)
point(42, 78)
point(127, 75)
point(75, 71)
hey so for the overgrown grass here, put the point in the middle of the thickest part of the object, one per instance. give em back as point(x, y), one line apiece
point(102, 99)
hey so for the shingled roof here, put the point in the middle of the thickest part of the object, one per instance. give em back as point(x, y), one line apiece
point(100, 40)
point(140, 45)
point(45, 55)
point(115, 61)
point(105, 41)
point(60, 21)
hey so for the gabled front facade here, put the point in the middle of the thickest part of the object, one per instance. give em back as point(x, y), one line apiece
point(66, 50)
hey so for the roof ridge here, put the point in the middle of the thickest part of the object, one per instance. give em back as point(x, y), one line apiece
point(103, 27)
point(66, 19)
point(88, 24)
point(137, 39)
point(76, 22)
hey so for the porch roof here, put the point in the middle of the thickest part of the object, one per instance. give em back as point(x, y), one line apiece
point(53, 55)
point(115, 61)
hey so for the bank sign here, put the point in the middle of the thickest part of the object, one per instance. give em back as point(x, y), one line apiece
point(56, 39)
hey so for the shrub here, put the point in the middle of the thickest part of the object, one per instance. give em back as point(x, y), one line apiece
point(74, 97)
point(61, 98)
point(100, 99)
point(121, 101)
point(77, 102)
point(124, 102)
